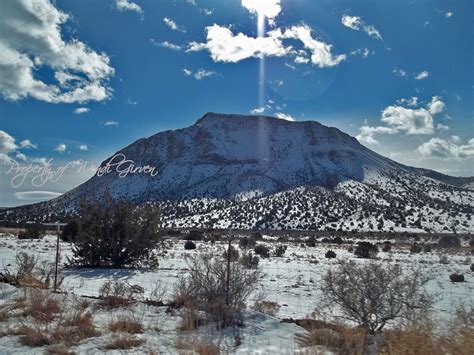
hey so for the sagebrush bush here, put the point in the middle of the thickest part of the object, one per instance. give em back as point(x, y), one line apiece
point(262, 250)
point(189, 245)
point(116, 294)
point(247, 243)
point(415, 248)
point(455, 277)
point(267, 307)
point(279, 251)
point(249, 260)
point(330, 254)
point(311, 242)
point(472, 267)
point(216, 286)
point(366, 250)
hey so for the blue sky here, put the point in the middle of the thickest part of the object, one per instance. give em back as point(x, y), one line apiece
point(81, 79)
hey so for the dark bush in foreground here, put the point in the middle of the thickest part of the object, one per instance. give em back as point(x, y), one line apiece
point(311, 242)
point(415, 248)
point(330, 254)
point(262, 250)
point(32, 231)
point(366, 250)
point(70, 231)
point(279, 251)
point(116, 234)
point(189, 245)
point(247, 243)
point(373, 295)
point(456, 277)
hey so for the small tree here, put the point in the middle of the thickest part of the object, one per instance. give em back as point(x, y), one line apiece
point(366, 250)
point(116, 234)
point(373, 295)
point(330, 254)
point(32, 231)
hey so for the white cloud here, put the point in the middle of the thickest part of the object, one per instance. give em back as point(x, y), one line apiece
point(412, 101)
point(400, 119)
point(301, 60)
point(441, 148)
point(208, 12)
point(200, 74)
point(7, 143)
point(257, 110)
point(224, 46)
point(81, 110)
point(81, 73)
point(357, 24)
point(132, 102)
point(268, 8)
point(166, 44)
point(61, 148)
point(422, 75)
point(448, 14)
point(83, 147)
point(399, 72)
point(110, 123)
point(192, 2)
point(364, 52)
point(456, 139)
point(126, 5)
point(171, 24)
point(442, 127)
point(284, 116)
point(21, 156)
point(27, 144)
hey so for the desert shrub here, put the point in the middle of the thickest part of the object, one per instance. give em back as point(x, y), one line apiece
point(231, 252)
point(262, 250)
point(443, 259)
point(311, 242)
point(455, 277)
point(366, 250)
point(249, 260)
point(123, 342)
point(387, 247)
point(472, 267)
point(126, 325)
point(338, 240)
point(33, 337)
point(247, 243)
point(415, 248)
point(32, 231)
point(449, 241)
point(216, 286)
point(256, 236)
point(267, 307)
point(116, 234)
point(427, 248)
point(116, 294)
point(373, 295)
point(195, 235)
point(330, 254)
point(471, 242)
point(40, 305)
point(189, 245)
point(70, 231)
point(197, 346)
point(279, 251)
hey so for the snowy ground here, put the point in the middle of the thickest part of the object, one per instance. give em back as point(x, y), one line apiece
point(291, 281)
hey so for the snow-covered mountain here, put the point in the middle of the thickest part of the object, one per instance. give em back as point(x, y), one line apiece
point(256, 171)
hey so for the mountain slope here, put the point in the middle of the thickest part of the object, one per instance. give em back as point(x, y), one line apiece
point(256, 171)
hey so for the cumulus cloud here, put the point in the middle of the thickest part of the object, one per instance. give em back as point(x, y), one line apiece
point(81, 110)
point(199, 74)
point(83, 147)
point(173, 25)
point(268, 8)
point(399, 119)
point(441, 148)
point(412, 101)
point(442, 127)
point(357, 24)
point(166, 44)
point(126, 5)
point(81, 74)
point(225, 46)
point(257, 110)
point(284, 116)
point(7, 143)
point(61, 148)
point(399, 72)
point(422, 75)
point(27, 144)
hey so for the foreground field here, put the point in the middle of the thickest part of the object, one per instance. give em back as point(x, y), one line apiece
point(290, 284)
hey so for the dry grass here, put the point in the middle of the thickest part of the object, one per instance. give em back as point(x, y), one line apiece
point(123, 342)
point(345, 342)
point(41, 305)
point(58, 349)
point(30, 336)
point(75, 328)
point(197, 346)
point(267, 307)
point(127, 325)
